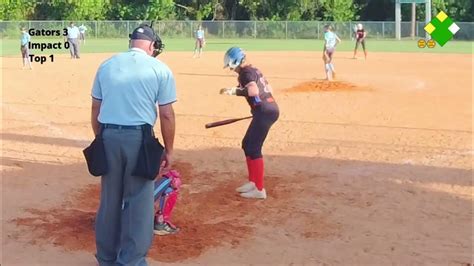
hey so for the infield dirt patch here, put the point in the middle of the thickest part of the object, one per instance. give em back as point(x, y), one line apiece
point(324, 85)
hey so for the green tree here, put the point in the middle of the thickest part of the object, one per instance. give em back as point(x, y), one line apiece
point(458, 10)
point(17, 10)
point(340, 10)
point(160, 9)
point(71, 10)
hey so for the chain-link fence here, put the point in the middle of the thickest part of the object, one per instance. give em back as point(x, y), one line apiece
point(235, 29)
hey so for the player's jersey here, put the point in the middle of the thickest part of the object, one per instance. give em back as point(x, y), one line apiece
point(265, 98)
point(331, 39)
point(25, 38)
point(200, 34)
point(82, 29)
point(72, 32)
point(360, 34)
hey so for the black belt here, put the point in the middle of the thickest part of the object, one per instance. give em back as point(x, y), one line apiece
point(113, 126)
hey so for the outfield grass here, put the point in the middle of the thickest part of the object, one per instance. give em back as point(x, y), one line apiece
point(11, 47)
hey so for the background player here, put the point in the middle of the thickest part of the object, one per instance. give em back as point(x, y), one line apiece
point(82, 33)
point(258, 93)
point(200, 41)
point(72, 38)
point(25, 53)
point(360, 35)
point(330, 42)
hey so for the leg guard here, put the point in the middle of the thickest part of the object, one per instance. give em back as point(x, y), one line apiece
point(169, 203)
point(166, 196)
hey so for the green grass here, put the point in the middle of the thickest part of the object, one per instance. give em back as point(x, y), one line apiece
point(11, 47)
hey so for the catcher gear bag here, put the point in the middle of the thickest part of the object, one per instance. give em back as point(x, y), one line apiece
point(149, 154)
point(95, 156)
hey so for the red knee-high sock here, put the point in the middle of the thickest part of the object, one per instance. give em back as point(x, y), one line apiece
point(257, 172)
point(249, 169)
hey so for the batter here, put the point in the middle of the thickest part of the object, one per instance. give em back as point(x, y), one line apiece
point(258, 93)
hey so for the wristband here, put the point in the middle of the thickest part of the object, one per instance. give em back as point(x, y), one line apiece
point(242, 92)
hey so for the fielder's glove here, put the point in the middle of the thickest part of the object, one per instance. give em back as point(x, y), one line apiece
point(228, 91)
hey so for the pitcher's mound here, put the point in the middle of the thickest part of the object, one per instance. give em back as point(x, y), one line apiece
point(324, 85)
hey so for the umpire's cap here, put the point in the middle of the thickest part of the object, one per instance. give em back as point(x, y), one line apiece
point(145, 32)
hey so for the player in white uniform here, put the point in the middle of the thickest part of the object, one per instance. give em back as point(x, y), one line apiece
point(200, 41)
point(82, 33)
point(330, 42)
point(25, 52)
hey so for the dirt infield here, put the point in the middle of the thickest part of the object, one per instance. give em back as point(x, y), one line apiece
point(324, 85)
point(372, 169)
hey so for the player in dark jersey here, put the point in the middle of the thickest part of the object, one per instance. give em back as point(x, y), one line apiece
point(360, 35)
point(258, 93)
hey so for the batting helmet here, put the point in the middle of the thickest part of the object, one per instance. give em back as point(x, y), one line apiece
point(234, 57)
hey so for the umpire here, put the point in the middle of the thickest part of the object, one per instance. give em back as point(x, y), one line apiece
point(127, 89)
point(72, 38)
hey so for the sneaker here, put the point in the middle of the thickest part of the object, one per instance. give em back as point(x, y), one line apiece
point(255, 194)
point(249, 186)
point(163, 229)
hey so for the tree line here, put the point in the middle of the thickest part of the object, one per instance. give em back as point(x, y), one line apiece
point(293, 10)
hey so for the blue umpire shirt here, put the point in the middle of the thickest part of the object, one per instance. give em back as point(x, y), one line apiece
point(130, 85)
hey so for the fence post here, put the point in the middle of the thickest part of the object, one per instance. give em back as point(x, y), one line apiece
point(128, 26)
point(416, 34)
point(286, 29)
point(383, 30)
point(223, 29)
point(255, 29)
point(96, 29)
point(192, 26)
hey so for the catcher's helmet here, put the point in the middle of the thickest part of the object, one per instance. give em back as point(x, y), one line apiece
point(234, 57)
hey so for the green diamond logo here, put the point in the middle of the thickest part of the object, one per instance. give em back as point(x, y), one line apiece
point(441, 28)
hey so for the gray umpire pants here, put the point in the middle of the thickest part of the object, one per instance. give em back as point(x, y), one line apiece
point(73, 47)
point(124, 222)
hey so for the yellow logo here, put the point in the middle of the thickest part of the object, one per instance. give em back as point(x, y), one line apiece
point(431, 43)
point(421, 43)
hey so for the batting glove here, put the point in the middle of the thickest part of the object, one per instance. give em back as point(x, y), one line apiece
point(228, 91)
